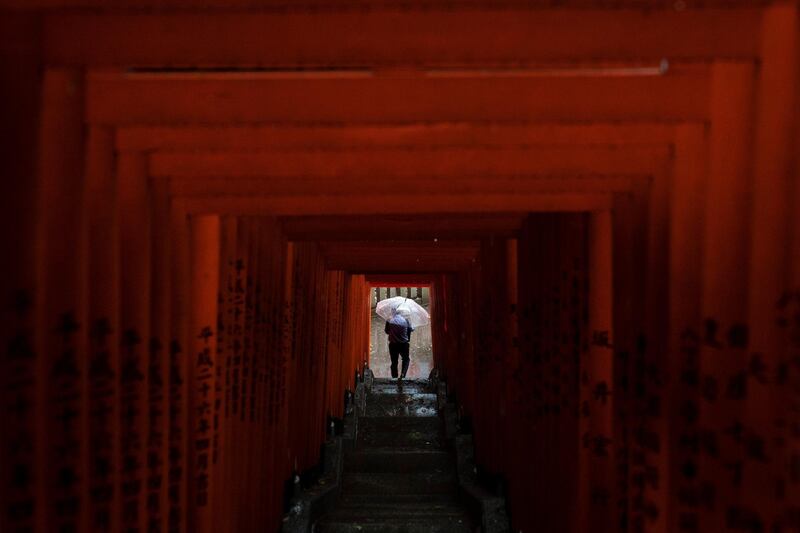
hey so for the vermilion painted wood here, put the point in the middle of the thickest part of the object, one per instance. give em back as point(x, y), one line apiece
point(20, 39)
point(624, 286)
point(443, 203)
point(597, 473)
point(103, 319)
point(60, 335)
point(410, 163)
point(180, 323)
point(351, 135)
point(686, 219)
point(159, 365)
point(391, 37)
point(204, 254)
point(377, 184)
point(135, 223)
point(420, 227)
point(719, 258)
point(724, 355)
point(769, 263)
point(256, 97)
point(227, 336)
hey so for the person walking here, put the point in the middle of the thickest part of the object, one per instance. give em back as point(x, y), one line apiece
point(399, 329)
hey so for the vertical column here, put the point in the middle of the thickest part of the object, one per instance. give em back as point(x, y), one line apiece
point(511, 360)
point(61, 307)
point(20, 39)
point(686, 218)
point(103, 320)
point(768, 457)
point(787, 374)
point(227, 334)
point(724, 305)
point(245, 477)
point(180, 306)
point(159, 364)
point(134, 319)
point(597, 475)
point(287, 355)
point(623, 218)
point(651, 428)
point(205, 235)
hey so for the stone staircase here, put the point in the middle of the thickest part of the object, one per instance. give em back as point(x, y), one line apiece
point(400, 477)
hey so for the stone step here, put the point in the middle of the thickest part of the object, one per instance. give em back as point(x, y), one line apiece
point(400, 440)
point(445, 524)
point(401, 405)
point(398, 461)
point(390, 510)
point(382, 500)
point(390, 484)
point(392, 422)
point(392, 386)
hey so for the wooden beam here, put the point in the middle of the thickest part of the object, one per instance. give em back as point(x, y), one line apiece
point(400, 279)
point(317, 228)
point(158, 99)
point(387, 185)
point(264, 137)
point(375, 36)
point(402, 203)
point(411, 163)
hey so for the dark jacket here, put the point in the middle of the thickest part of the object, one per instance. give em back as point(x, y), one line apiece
point(398, 329)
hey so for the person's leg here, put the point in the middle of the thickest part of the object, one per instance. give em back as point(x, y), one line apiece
point(406, 358)
point(394, 351)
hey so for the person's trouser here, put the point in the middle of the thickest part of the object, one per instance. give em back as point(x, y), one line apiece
point(397, 349)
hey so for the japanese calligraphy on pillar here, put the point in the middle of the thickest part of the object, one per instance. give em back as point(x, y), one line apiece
point(219, 373)
point(786, 376)
point(131, 401)
point(176, 436)
point(237, 333)
point(247, 382)
point(64, 398)
point(20, 357)
point(155, 436)
point(203, 383)
point(102, 376)
point(688, 453)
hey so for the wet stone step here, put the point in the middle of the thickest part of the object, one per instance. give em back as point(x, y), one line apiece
point(385, 483)
point(381, 500)
point(390, 511)
point(398, 461)
point(401, 405)
point(380, 525)
point(385, 386)
point(400, 423)
point(400, 440)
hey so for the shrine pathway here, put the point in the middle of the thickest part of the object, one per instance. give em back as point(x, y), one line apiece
point(401, 476)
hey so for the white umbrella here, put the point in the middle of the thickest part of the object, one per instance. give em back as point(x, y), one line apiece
point(413, 312)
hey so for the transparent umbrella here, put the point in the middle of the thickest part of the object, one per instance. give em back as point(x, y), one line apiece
point(413, 312)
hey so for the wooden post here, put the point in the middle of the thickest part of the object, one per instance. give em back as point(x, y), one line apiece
point(103, 320)
point(135, 290)
point(597, 473)
point(61, 306)
point(724, 305)
point(205, 240)
point(686, 221)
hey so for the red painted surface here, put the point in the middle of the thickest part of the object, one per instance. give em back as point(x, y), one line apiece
point(612, 249)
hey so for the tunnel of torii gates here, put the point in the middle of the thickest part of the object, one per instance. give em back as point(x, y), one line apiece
point(198, 196)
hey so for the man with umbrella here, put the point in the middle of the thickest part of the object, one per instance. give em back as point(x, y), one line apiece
point(399, 330)
point(402, 315)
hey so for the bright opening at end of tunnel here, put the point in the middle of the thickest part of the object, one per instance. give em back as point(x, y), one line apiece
point(420, 340)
